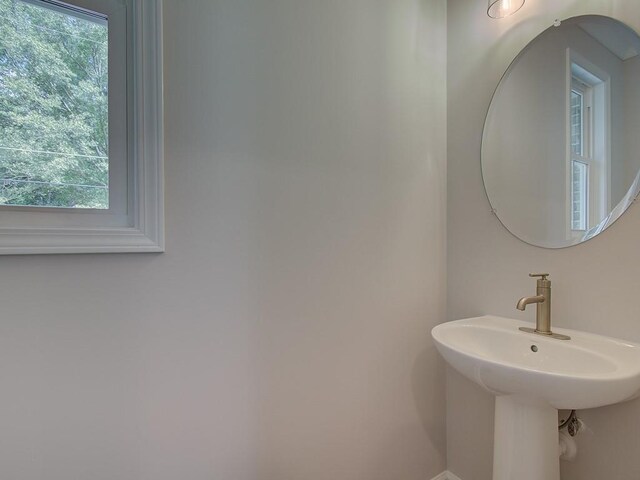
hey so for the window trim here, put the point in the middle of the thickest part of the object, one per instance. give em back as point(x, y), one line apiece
point(598, 160)
point(145, 157)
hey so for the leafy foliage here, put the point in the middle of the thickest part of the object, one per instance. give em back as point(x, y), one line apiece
point(53, 108)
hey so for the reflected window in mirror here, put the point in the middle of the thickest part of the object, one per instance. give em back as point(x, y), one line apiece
point(579, 156)
point(588, 180)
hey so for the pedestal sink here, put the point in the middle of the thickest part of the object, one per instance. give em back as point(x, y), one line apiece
point(533, 377)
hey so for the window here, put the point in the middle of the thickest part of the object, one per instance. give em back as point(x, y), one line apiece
point(580, 153)
point(588, 146)
point(53, 107)
point(80, 126)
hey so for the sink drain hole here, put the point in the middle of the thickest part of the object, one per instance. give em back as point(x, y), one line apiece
point(534, 348)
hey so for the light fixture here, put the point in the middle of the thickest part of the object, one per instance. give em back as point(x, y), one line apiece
point(503, 8)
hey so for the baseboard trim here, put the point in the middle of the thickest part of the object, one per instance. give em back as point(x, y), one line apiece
point(446, 476)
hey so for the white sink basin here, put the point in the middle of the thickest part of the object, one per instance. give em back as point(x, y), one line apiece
point(587, 371)
point(532, 377)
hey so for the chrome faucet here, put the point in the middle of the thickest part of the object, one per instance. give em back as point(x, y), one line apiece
point(543, 310)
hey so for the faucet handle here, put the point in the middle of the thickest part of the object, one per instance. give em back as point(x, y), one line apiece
point(543, 276)
point(542, 281)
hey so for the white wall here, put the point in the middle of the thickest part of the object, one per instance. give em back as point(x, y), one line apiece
point(595, 284)
point(285, 332)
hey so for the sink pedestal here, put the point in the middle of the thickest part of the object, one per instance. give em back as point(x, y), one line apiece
point(525, 440)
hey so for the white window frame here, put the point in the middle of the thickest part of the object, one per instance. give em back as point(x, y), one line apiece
point(136, 221)
point(597, 146)
point(586, 156)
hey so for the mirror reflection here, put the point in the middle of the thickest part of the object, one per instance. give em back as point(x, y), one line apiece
point(561, 142)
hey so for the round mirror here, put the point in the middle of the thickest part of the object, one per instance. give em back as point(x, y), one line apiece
point(561, 142)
